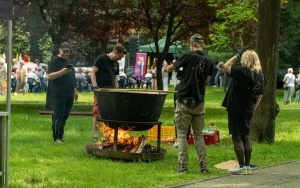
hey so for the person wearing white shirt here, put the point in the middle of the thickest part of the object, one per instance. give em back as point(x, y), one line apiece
point(165, 76)
point(148, 79)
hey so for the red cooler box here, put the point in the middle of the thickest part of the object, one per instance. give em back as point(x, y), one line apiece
point(210, 137)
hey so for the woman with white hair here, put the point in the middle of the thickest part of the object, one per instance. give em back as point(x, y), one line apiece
point(289, 90)
point(3, 76)
point(242, 98)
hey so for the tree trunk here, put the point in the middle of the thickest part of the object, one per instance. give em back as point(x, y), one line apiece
point(158, 73)
point(263, 124)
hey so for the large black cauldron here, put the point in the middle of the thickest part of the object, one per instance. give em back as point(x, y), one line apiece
point(130, 106)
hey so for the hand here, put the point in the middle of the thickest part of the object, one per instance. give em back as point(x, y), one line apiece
point(95, 88)
point(240, 52)
point(66, 70)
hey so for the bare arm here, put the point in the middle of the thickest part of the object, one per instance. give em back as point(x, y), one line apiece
point(229, 64)
point(207, 79)
point(115, 82)
point(54, 75)
point(169, 68)
point(93, 76)
point(257, 102)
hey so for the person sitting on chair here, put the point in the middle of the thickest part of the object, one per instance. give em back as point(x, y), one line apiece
point(32, 80)
point(148, 79)
point(130, 82)
point(122, 76)
point(139, 82)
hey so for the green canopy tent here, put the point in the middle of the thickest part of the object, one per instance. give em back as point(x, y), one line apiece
point(175, 48)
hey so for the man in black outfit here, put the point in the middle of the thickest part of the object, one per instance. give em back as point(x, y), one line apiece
point(63, 90)
point(197, 68)
point(104, 75)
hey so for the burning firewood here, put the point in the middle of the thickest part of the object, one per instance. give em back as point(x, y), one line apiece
point(138, 147)
point(126, 142)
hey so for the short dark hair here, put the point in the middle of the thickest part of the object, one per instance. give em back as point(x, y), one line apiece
point(196, 38)
point(120, 49)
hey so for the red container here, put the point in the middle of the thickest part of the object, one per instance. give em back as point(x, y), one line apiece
point(212, 138)
point(208, 138)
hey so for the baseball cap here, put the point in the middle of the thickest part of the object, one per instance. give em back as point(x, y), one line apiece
point(196, 38)
point(65, 46)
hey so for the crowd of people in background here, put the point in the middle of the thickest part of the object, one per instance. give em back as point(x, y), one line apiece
point(23, 78)
point(33, 79)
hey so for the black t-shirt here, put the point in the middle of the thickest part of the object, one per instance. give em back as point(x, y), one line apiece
point(65, 84)
point(107, 71)
point(243, 91)
point(196, 67)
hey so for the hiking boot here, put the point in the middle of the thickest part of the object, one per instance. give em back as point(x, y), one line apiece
point(205, 171)
point(182, 170)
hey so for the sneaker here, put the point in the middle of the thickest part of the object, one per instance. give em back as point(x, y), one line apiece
point(235, 170)
point(240, 171)
point(248, 168)
point(175, 144)
point(215, 86)
point(57, 141)
point(252, 166)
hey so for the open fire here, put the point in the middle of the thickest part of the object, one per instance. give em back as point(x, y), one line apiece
point(125, 142)
point(115, 107)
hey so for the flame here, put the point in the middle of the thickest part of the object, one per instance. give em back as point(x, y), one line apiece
point(123, 136)
point(126, 142)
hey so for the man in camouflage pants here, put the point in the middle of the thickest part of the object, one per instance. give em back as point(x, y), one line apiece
point(197, 68)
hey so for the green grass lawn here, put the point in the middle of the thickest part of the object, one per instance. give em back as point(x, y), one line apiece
point(35, 161)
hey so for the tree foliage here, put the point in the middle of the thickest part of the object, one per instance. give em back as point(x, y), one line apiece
point(102, 22)
point(290, 38)
point(236, 24)
point(84, 24)
point(173, 19)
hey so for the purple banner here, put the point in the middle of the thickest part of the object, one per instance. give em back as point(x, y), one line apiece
point(140, 64)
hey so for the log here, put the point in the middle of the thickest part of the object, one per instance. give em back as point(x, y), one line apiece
point(133, 150)
point(138, 148)
point(141, 145)
point(74, 113)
